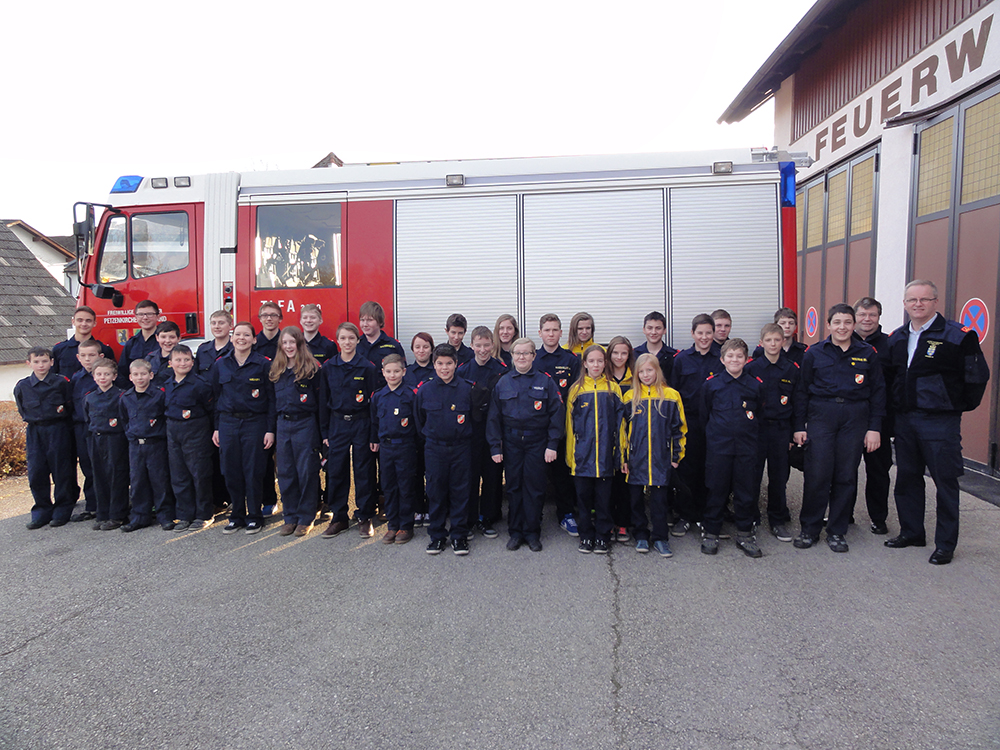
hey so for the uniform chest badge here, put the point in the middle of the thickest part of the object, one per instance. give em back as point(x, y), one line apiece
point(749, 414)
point(255, 393)
point(186, 413)
point(303, 397)
point(152, 423)
point(744, 404)
point(113, 422)
point(931, 348)
point(453, 407)
point(859, 378)
point(404, 421)
point(784, 400)
point(359, 398)
point(395, 412)
point(461, 419)
point(60, 409)
point(562, 382)
point(538, 406)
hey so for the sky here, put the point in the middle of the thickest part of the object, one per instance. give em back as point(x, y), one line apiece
point(197, 87)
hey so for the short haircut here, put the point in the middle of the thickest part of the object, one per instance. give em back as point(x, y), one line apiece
point(548, 318)
point(245, 324)
point(736, 343)
point(140, 364)
point(922, 282)
point(222, 314)
point(393, 359)
point(147, 303)
point(91, 344)
point(273, 306)
point(108, 364)
point(867, 303)
point(372, 310)
point(702, 320)
point(168, 326)
point(443, 350)
point(39, 351)
point(482, 332)
point(721, 314)
point(785, 312)
point(423, 336)
point(655, 316)
point(181, 349)
point(311, 309)
point(841, 308)
point(457, 320)
point(350, 328)
point(522, 342)
point(771, 328)
point(85, 309)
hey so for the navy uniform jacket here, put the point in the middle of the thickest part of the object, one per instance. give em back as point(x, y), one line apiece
point(64, 359)
point(483, 379)
point(393, 415)
point(795, 352)
point(82, 383)
point(162, 371)
point(525, 401)
point(376, 351)
point(507, 358)
point(44, 400)
point(595, 428)
point(102, 410)
point(417, 374)
point(191, 398)
point(346, 387)
point(136, 347)
point(143, 413)
point(207, 354)
point(691, 370)
point(880, 340)
point(829, 372)
point(464, 353)
point(268, 347)
point(948, 372)
point(656, 436)
point(444, 410)
point(299, 398)
point(784, 395)
point(561, 365)
point(322, 348)
point(731, 410)
point(665, 356)
point(245, 388)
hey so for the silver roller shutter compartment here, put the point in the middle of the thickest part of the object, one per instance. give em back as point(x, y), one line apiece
point(601, 253)
point(454, 255)
point(724, 252)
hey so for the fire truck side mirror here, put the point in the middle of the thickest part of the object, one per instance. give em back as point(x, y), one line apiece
point(104, 291)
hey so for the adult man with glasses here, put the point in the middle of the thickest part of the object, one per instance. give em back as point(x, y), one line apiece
point(147, 315)
point(938, 372)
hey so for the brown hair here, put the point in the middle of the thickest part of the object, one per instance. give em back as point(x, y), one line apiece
point(305, 363)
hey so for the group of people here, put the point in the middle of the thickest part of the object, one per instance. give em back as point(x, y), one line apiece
point(610, 430)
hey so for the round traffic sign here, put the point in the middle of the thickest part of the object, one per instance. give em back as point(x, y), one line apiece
point(812, 322)
point(975, 316)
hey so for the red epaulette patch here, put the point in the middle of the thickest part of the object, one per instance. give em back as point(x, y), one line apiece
point(797, 365)
point(966, 329)
point(759, 380)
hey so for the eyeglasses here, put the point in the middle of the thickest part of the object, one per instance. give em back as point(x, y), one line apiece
point(268, 316)
point(921, 300)
point(521, 355)
point(146, 315)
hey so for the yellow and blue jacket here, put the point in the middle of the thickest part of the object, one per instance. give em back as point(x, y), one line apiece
point(595, 428)
point(656, 436)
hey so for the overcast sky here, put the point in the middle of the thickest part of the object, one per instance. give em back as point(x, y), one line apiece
point(197, 87)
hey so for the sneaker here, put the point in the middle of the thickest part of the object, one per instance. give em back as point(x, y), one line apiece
point(663, 548)
point(198, 524)
point(365, 529)
point(486, 529)
point(748, 543)
point(84, 515)
point(418, 520)
point(460, 546)
point(877, 527)
point(168, 526)
point(600, 547)
point(268, 510)
point(642, 545)
point(710, 544)
point(681, 527)
point(586, 546)
point(837, 543)
point(128, 528)
point(622, 535)
point(780, 532)
point(436, 547)
point(232, 527)
point(254, 527)
point(568, 524)
point(182, 526)
point(471, 533)
point(805, 541)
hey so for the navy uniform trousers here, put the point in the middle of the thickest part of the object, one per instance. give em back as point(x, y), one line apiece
point(297, 451)
point(448, 472)
point(484, 499)
point(81, 435)
point(593, 498)
point(772, 448)
point(50, 453)
point(525, 471)
point(877, 465)
point(399, 481)
point(189, 447)
point(348, 445)
point(149, 482)
point(241, 453)
point(109, 452)
point(659, 511)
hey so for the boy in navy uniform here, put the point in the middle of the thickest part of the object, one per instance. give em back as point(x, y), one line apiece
point(692, 367)
point(375, 345)
point(64, 361)
point(654, 326)
point(220, 324)
point(147, 315)
point(443, 410)
point(563, 367)
point(730, 406)
point(45, 401)
point(483, 371)
point(786, 319)
point(310, 319)
point(845, 403)
point(188, 410)
point(723, 323)
point(525, 426)
point(142, 412)
point(394, 436)
point(82, 383)
point(108, 448)
point(455, 327)
point(168, 334)
point(783, 397)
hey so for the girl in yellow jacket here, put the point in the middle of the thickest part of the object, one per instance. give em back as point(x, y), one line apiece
point(595, 442)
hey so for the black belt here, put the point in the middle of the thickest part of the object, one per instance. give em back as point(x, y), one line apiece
point(143, 441)
point(348, 417)
point(44, 422)
point(242, 414)
point(526, 433)
point(296, 417)
point(396, 441)
point(107, 434)
point(448, 443)
point(189, 419)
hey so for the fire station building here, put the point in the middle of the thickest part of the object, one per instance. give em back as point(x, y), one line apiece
point(897, 102)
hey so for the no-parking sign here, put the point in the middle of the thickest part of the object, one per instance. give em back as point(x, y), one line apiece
point(812, 322)
point(976, 317)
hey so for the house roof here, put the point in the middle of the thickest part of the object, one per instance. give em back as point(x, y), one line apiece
point(35, 310)
point(39, 237)
point(822, 18)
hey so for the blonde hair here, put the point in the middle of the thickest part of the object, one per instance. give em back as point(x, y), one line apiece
point(658, 388)
point(306, 365)
point(583, 363)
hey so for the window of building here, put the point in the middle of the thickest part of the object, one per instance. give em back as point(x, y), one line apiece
point(981, 152)
point(934, 173)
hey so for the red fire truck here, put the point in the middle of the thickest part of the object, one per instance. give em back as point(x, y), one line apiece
point(616, 236)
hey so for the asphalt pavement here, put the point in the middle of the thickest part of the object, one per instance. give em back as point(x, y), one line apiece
point(198, 640)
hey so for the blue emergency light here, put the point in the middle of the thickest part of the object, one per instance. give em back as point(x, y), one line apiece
point(127, 184)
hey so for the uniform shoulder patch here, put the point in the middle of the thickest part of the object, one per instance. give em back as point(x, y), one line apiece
point(797, 365)
point(758, 379)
